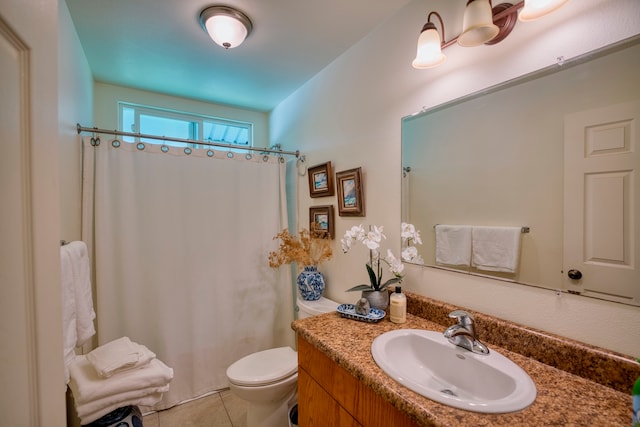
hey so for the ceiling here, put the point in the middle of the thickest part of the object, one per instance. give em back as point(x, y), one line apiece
point(158, 45)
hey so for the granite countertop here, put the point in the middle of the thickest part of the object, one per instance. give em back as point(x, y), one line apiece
point(563, 398)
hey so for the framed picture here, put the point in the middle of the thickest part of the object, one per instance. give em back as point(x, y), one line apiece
point(350, 193)
point(320, 180)
point(321, 221)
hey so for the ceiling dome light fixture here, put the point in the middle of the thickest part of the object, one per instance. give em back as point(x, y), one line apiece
point(226, 26)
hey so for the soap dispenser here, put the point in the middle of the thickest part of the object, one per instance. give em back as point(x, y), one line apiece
point(398, 306)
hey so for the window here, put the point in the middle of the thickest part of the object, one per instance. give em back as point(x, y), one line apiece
point(174, 124)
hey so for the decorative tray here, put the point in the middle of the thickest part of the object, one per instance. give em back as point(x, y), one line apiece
point(349, 311)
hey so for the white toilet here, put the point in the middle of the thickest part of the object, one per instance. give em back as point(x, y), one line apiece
point(268, 379)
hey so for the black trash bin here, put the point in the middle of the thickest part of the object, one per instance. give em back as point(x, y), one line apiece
point(293, 416)
point(127, 416)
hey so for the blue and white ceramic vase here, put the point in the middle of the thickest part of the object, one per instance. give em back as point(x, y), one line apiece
point(310, 283)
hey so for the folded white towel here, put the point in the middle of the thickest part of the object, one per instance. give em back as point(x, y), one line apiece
point(453, 244)
point(149, 400)
point(87, 385)
point(119, 355)
point(496, 248)
point(81, 268)
point(89, 409)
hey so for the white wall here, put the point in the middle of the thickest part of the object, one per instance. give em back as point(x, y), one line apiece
point(108, 95)
point(350, 114)
point(75, 105)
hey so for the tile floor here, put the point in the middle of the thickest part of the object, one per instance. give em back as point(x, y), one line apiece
point(221, 409)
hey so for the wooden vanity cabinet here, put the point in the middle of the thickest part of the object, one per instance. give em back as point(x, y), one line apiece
point(329, 396)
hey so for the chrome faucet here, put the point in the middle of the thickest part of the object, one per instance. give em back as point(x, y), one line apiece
point(463, 333)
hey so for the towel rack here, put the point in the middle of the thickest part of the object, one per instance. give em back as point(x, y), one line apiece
point(523, 230)
point(63, 242)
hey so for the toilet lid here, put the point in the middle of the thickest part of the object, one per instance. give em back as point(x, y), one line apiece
point(264, 367)
point(320, 306)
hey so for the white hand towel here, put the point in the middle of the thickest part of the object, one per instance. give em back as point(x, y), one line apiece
point(85, 313)
point(119, 355)
point(70, 334)
point(119, 400)
point(87, 385)
point(149, 400)
point(453, 244)
point(496, 248)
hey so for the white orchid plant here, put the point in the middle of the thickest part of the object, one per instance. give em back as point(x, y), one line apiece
point(372, 239)
point(410, 238)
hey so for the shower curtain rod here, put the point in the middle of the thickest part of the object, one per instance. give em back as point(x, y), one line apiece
point(184, 141)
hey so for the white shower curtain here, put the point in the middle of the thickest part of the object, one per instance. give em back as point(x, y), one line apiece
point(179, 247)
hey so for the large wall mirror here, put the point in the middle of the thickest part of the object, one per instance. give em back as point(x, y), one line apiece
point(498, 158)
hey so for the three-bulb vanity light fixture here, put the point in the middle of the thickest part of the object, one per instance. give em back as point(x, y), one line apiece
point(482, 24)
point(227, 26)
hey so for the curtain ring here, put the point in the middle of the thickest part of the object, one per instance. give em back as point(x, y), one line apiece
point(116, 142)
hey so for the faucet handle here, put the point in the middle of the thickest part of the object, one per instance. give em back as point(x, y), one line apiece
point(463, 318)
point(460, 315)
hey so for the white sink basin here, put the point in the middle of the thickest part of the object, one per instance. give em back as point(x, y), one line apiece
point(427, 363)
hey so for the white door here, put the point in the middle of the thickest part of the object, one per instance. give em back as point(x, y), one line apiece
point(31, 366)
point(602, 202)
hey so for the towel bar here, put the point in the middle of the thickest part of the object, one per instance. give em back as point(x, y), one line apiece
point(522, 230)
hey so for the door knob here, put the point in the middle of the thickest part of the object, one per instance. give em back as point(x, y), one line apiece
point(574, 274)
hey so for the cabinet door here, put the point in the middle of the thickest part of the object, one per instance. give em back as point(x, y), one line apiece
point(602, 202)
point(317, 408)
point(328, 395)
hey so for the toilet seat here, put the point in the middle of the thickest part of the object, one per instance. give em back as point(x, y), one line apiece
point(264, 367)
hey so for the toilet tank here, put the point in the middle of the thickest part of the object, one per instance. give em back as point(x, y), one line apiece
point(313, 308)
